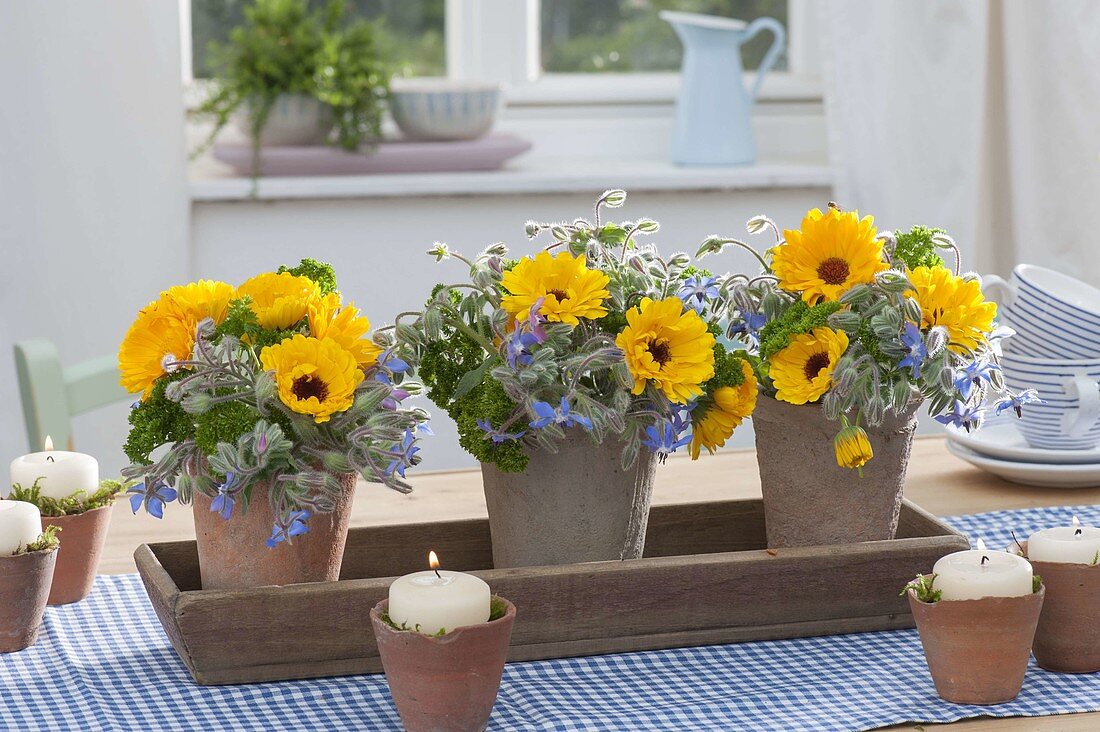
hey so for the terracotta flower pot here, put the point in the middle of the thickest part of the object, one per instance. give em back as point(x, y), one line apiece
point(82, 538)
point(24, 587)
point(234, 554)
point(444, 683)
point(576, 505)
point(1068, 637)
point(809, 500)
point(977, 650)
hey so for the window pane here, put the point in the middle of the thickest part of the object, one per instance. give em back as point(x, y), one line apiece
point(411, 31)
point(627, 35)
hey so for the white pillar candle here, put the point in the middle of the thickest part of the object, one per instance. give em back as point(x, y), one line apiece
point(981, 572)
point(1074, 544)
point(20, 524)
point(59, 473)
point(438, 600)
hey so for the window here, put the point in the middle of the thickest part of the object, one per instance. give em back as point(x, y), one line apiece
point(549, 51)
point(411, 31)
point(629, 36)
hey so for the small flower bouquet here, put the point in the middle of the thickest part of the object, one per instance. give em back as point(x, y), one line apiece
point(597, 336)
point(867, 326)
point(265, 398)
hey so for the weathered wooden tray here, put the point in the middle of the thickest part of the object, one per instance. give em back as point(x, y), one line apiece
point(706, 578)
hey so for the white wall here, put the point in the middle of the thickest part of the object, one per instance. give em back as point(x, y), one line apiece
point(93, 197)
point(378, 245)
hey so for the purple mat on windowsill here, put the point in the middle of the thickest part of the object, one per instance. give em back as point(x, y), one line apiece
point(396, 156)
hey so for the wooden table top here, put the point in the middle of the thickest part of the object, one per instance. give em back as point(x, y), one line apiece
point(937, 481)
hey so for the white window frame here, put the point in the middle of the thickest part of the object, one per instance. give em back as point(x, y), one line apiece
point(498, 40)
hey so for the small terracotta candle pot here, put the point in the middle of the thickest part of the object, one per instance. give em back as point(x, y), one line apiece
point(1068, 637)
point(24, 586)
point(977, 650)
point(444, 683)
point(82, 538)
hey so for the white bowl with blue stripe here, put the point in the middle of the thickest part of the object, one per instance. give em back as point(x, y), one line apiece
point(1053, 314)
point(444, 109)
point(1070, 418)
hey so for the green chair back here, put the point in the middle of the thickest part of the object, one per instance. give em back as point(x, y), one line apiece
point(52, 394)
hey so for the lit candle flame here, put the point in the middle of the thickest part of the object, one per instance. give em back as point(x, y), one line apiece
point(1076, 527)
point(433, 560)
point(49, 444)
point(981, 545)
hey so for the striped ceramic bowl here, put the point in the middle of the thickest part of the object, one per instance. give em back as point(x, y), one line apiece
point(1070, 418)
point(1054, 315)
point(444, 109)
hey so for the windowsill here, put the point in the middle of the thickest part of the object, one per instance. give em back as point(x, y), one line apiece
point(555, 90)
point(523, 177)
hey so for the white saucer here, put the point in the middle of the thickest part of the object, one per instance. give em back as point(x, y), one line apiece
point(999, 438)
point(1038, 474)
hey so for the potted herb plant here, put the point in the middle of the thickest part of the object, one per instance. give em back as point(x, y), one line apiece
point(84, 519)
point(571, 374)
point(263, 403)
point(292, 75)
point(854, 331)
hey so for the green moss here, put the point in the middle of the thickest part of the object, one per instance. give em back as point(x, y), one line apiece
point(223, 422)
point(47, 541)
point(78, 503)
point(797, 319)
point(321, 273)
point(156, 421)
point(1036, 583)
point(916, 247)
point(922, 586)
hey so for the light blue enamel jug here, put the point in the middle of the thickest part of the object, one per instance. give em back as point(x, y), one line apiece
point(713, 125)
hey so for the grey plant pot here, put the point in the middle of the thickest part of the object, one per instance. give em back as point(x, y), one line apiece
point(809, 500)
point(575, 505)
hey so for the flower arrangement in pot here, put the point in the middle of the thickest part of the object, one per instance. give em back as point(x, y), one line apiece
point(264, 402)
point(570, 374)
point(292, 75)
point(854, 331)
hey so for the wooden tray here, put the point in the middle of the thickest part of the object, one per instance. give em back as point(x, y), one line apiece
point(705, 579)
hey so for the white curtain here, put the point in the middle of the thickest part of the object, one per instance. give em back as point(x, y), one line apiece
point(979, 116)
point(93, 191)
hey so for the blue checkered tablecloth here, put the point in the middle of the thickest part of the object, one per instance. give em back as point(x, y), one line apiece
point(105, 664)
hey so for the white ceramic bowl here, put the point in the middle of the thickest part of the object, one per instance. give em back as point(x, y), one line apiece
point(444, 109)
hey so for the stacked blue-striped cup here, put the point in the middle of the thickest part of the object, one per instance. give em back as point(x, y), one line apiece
point(1056, 351)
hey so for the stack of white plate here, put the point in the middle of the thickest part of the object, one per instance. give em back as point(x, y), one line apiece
point(999, 448)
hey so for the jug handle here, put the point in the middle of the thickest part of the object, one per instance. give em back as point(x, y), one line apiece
point(772, 55)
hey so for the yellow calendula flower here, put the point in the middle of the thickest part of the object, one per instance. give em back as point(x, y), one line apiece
point(279, 300)
point(203, 299)
point(830, 253)
point(314, 376)
point(328, 318)
point(803, 371)
point(668, 346)
point(568, 288)
point(730, 407)
point(956, 304)
point(161, 335)
point(853, 449)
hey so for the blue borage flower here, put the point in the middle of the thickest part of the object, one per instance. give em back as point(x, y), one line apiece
point(563, 416)
point(1016, 402)
point(666, 437)
point(962, 415)
point(223, 502)
point(498, 436)
point(154, 499)
point(915, 350)
point(749, 327)
point(696, 290)
point(295, 526)
point(973, 374)
point(403, 453)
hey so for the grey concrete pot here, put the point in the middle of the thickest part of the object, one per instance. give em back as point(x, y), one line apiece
point(809, 500)
point(575, 505)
